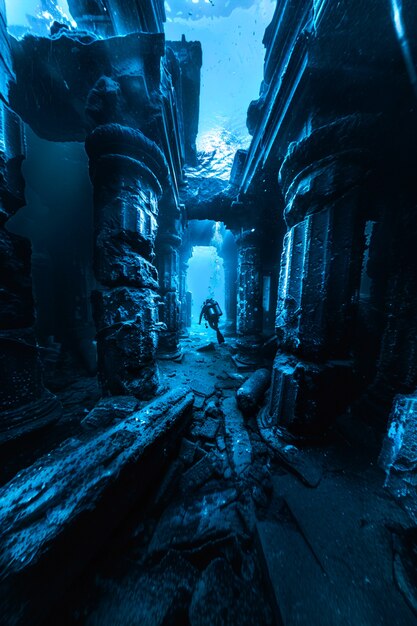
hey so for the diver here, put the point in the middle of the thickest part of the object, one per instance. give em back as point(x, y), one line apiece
point(211, 312)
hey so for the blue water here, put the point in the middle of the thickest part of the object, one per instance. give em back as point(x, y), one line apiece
point(231, 33)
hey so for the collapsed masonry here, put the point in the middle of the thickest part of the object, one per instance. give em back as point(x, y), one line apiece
point(319, 212)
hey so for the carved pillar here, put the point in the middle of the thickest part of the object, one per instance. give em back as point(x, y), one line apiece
point(25, 404)
point(249, 294)
point(319, 277)
point(168, 244)
point(127, 171)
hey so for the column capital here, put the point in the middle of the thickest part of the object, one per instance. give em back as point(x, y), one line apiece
point(116, 141)
point(326, 164)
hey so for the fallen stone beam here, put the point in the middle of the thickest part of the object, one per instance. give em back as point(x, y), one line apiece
point(57, 513)
point(250, 394)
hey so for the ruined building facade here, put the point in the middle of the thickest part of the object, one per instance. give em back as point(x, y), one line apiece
point(319, 216)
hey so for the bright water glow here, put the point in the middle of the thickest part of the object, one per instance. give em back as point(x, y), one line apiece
point(397, 16)
point(231, 34)
point(217, 239)
point(205, 279)
point(16, 11)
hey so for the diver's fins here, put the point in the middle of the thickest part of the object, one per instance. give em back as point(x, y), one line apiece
point(220, 337)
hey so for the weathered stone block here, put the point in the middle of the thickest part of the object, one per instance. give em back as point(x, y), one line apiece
point(197, 521)
point(305, 397)
point(58, 512)
point(199, 473)
point(125, 304)
point(119, 262)
point(109, 410)
point(127, 340)
point(127, 201)
point(126, 360)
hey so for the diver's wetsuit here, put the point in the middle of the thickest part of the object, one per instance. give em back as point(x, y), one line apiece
point(211, 312)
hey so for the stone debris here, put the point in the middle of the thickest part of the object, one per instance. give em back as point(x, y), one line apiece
point(203, 387)
point(152, 596)
point(297, 461)
point(221, 597)
point(193, 522)
point(187, 451)
point(199, 473)
point(208, 429)
point(209, 347)
point(213, 409)
point(199, 401)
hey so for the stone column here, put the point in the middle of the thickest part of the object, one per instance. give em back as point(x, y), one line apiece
point(230, 282)
point(184, 295)
point(319, 277)
point(229, 255)
point(127, 171)
point(25, 404)
point(249, 293)
point(169, 278)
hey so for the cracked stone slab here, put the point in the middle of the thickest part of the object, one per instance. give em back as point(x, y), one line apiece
point(203, 387)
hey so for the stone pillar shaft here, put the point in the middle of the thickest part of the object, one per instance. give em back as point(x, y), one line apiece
point(249, 294)
point(126, 169)
point(25, 405)
point(169, 285)
point(230, 282)
point(319, 279)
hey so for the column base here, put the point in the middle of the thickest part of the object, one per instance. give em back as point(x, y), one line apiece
point(306, 397)
point(249, 344)
point(169, 354)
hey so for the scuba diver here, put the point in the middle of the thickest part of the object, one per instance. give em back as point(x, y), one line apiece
point(211, 312)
